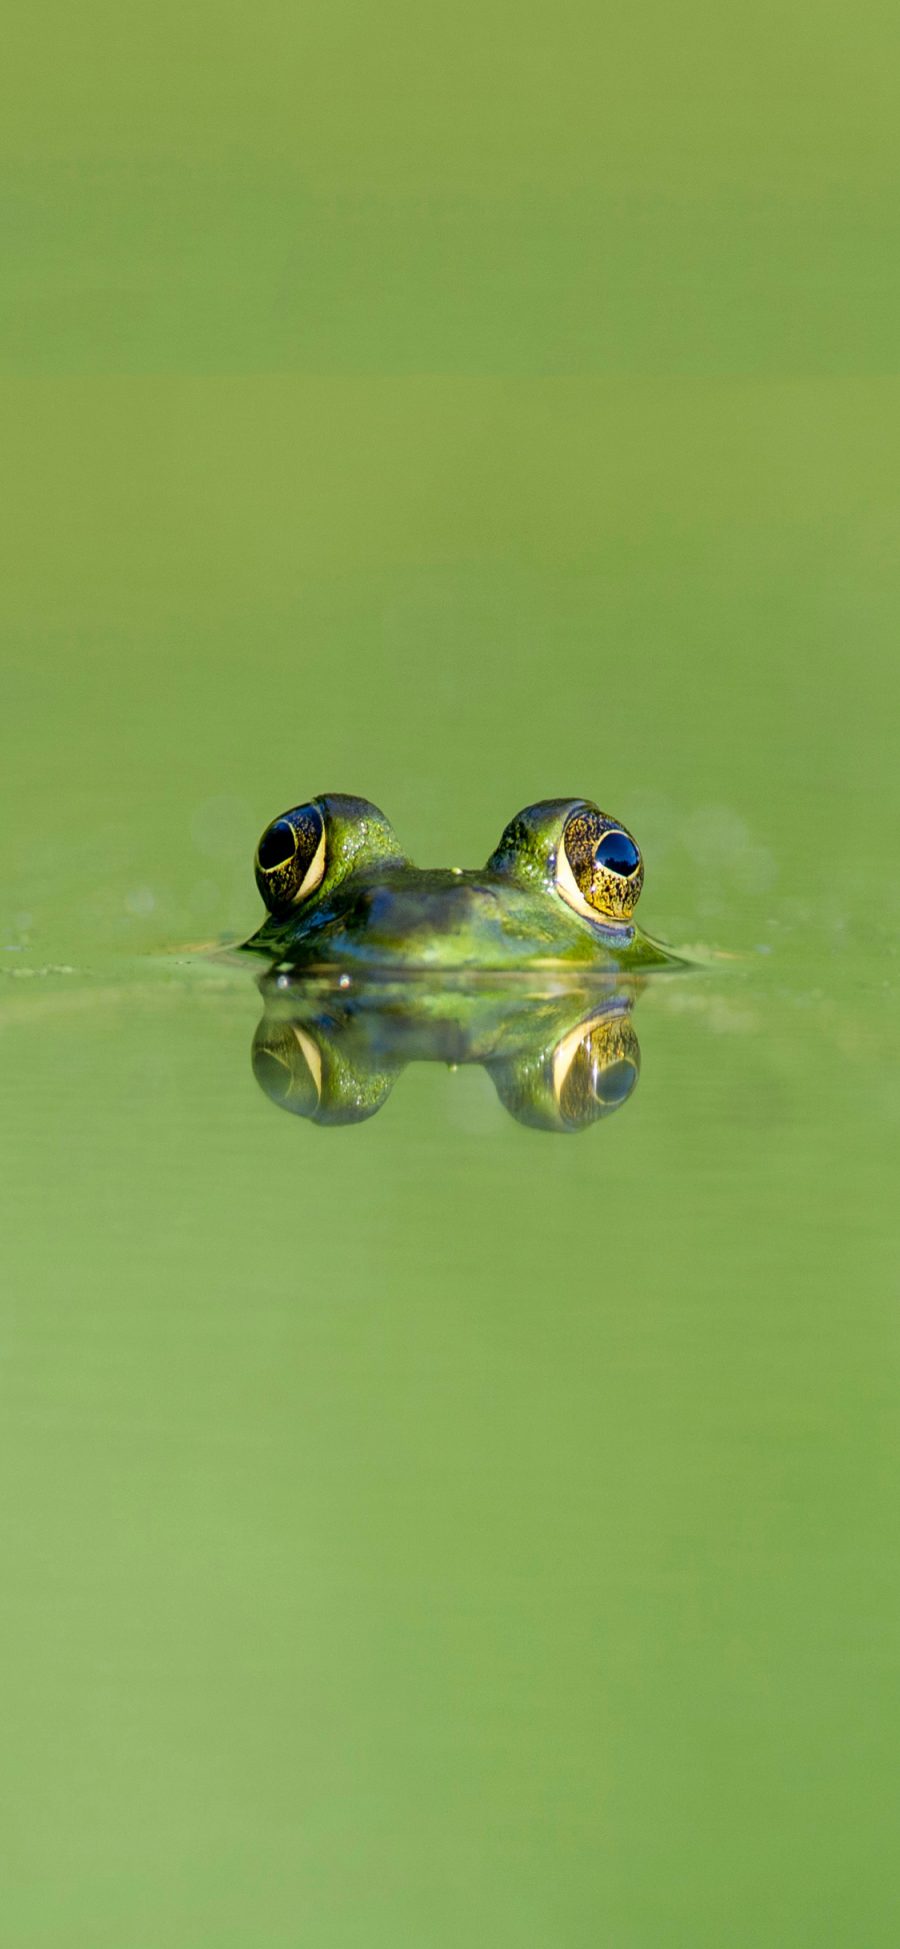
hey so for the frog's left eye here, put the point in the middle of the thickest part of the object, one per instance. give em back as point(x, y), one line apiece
point(599, 868)
point(290, 858)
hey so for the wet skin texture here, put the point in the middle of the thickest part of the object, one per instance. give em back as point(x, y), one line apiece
point(557, 893)
point(559, 1060)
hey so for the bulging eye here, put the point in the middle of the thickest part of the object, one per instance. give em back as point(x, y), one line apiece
point(290, 858)
point(599, 867)
point(617, 853)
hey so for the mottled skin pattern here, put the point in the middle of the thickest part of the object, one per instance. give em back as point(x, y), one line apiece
point(372, 910)
point(559, 1060)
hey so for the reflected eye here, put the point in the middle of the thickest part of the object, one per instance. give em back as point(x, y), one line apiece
point(618, 853)
point(600, 1074)
point(290, 858)
point(599, 867)
point(288, 1067)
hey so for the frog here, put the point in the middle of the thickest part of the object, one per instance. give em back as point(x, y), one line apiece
point(557, 894)
point(561, 1055)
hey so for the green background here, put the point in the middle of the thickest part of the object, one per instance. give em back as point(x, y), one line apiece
point(438, 1532)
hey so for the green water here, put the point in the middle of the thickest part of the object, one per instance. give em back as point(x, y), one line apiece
point(441, 1532)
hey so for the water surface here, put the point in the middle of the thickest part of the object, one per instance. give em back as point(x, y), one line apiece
point(439, 1530)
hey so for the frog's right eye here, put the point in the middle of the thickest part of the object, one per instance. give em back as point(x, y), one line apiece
point(290, 858)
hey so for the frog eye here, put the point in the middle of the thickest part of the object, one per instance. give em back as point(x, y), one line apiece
point(288, 1066)
point(290, 858)
point(307, 1068)
point(599, 867)
point(599, 1075)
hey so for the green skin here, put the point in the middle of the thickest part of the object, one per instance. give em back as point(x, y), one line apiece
point(560, 1058)
point(381, 964)
point(375, 911)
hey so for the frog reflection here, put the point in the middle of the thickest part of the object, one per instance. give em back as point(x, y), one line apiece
point(558, 1062)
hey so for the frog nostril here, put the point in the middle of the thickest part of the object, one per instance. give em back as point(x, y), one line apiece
point(617, 853)
point(278, 844)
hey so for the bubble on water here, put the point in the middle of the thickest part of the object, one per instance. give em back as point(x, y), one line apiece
point(722, 845)
point(223, 827)
point(140, 901)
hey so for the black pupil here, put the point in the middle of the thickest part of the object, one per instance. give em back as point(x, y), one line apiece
point(276, 845)
point(617, 853)
point(616, 1082)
